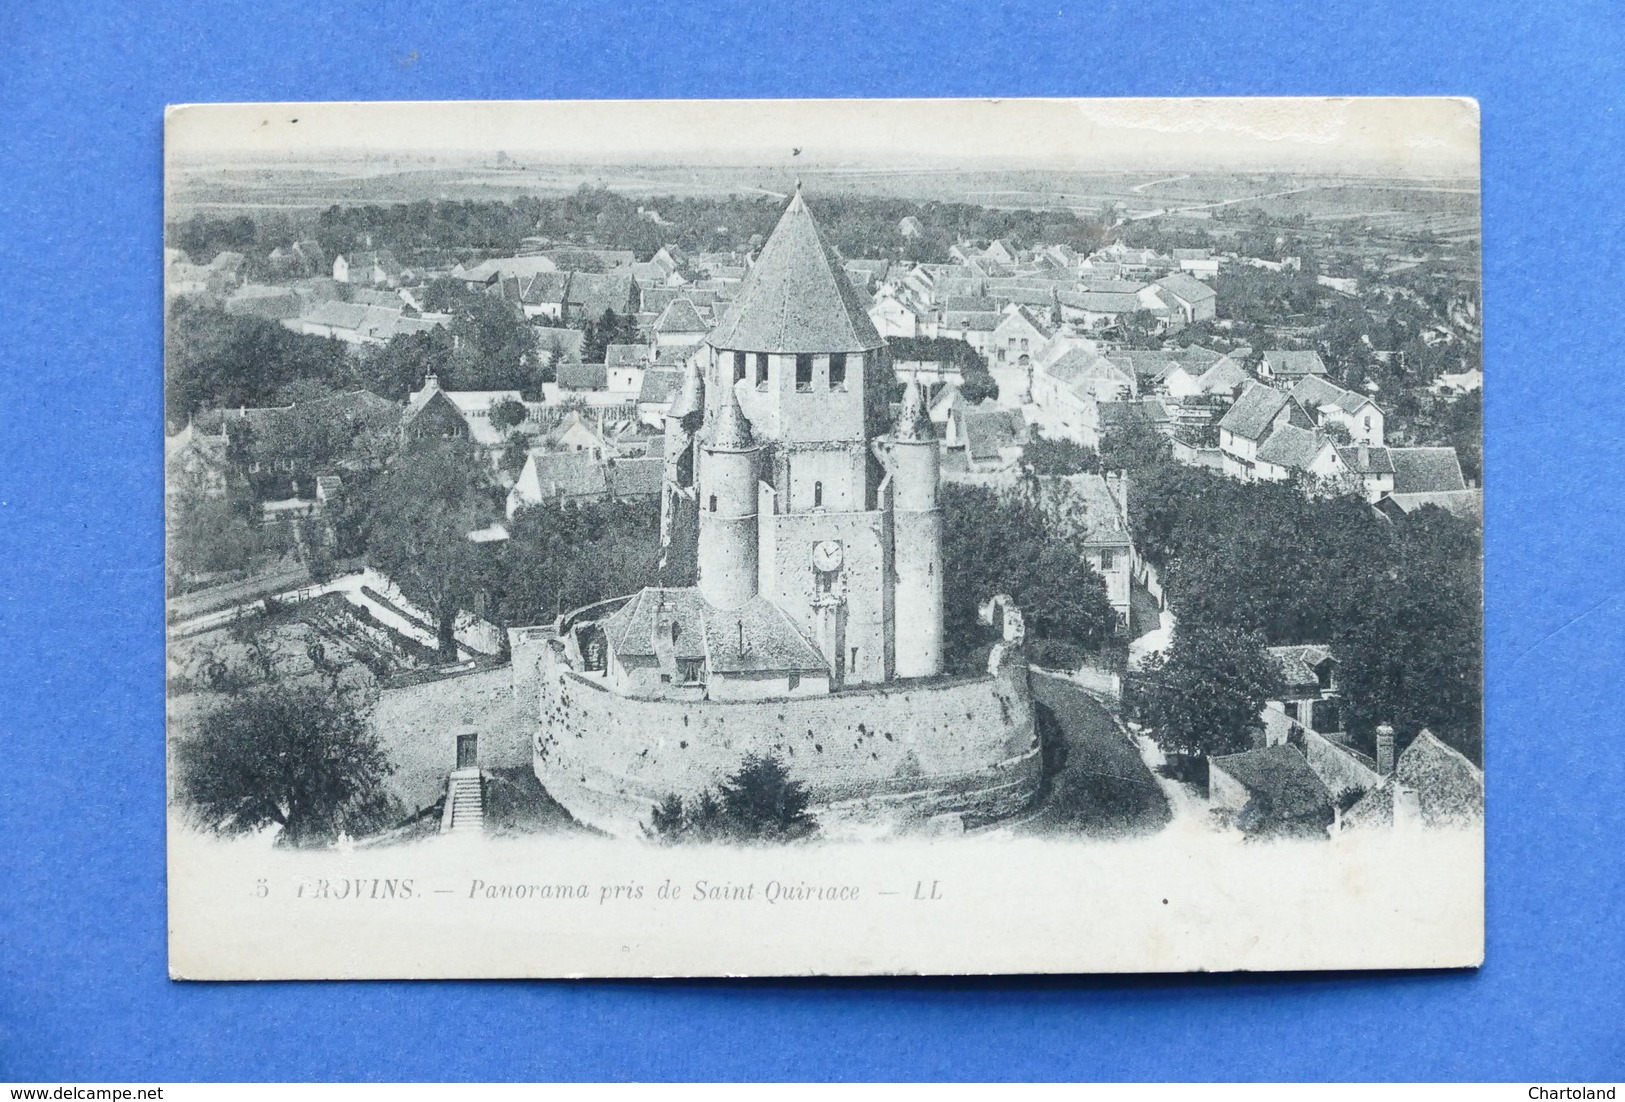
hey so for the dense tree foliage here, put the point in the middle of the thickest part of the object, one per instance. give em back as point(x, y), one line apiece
point(424, 507)
point(300, 757)
point(560, 558)
point(1043, 456)
point(1203, 694)
point(999, 542)
point(759, 802)
point(215, 359)
point(1400, 600)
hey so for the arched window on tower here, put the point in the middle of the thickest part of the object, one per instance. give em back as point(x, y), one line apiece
point(818, 495)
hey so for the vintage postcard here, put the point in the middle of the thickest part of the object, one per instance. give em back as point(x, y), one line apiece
point(839, 537)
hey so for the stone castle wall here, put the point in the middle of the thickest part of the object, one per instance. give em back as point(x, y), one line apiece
point(900, 752)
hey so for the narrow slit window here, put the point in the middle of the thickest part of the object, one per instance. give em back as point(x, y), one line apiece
point(739, 366)
point(818, 495)
point(761, 369)
point(837, 371)
point(804, 364)
point(713, 503)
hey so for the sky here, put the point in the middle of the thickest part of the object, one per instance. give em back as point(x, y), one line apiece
point(1406, 136)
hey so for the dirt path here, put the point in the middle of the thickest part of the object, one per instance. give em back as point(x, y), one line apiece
point(1100, 786)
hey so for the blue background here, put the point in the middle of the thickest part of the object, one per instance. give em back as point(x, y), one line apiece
point(83, 993)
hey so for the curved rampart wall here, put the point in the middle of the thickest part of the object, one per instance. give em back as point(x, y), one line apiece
point(899, 751)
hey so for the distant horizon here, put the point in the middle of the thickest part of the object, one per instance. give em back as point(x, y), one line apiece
point(1403, 137)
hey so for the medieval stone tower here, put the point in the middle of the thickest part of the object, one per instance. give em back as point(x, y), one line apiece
point(788, 479)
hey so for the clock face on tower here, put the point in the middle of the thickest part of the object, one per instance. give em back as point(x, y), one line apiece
point(826, 557)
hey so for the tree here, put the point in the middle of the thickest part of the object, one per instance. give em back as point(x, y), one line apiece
point(302, 758)
point(760, 802)
point(1136, 447)
point(1044, 456)
point(508, 414)
point(426, 505)
point(978, 386)
point(1204, 694)
point(997, 542)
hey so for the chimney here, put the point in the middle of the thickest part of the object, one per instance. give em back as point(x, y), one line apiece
point(431, 381)
point(1385, 749)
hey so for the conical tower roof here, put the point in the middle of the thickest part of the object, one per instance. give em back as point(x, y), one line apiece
point(691, 399)
point(730, 431)
point(797, 297)
point(913, 420)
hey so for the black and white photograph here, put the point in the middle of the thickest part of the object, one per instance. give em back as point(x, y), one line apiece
point(690, 538)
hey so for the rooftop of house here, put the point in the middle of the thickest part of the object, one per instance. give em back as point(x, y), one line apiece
point(797, 297)
point(639, 476)
point(561, 474)
point(660, 384)
point(1466, 504)
point(757, 637)
point(1187, 287)
point(1279, 783)
point(990, 428)
point(1299, 664)
point(972, 321)
point(1101, 302)
point(1254, 412)
point(1426, 470)
point(1226, 376)
point(1142, 411)
point(580, 376)
point(1084, 508)
point(679, 317)
point(626, 355)
point(1449, 789)
point(1364, 460)
point(1292, 447)
point(487, 270)
point(1281, 362)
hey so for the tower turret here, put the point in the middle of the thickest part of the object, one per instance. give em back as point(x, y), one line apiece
point(727, 500)
point(917, 540)
point(678, 519)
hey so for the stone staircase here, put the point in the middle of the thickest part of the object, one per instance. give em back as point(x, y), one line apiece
point(465, 803)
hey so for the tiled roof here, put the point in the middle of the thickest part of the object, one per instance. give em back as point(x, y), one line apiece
point(1188, 288)
point(1280, 783)
point(1251, 416)
point(1298, 664)
point(487, 270)
point(579, 376)
point(544, 288)
point(990, 428)
point(771, 642)
point(637, 477)
point(1366, 460)
point(1101, 302)
point(757, 637)
point(1314, 391)
point(968, 304)
point(1145, 411)
point(1291, 447)
point(565, 474)
point(1146, 366)
point(1295, 363)
point(1083, 510)
point(679, 316)
point(1225, 376)
point(655, 299)
point(591, 293)
point(797, 297)
point(626, 355)
point(972, 321)
point(660, 384)
point(1426, 470)
point(1449, 789)
point(1466, 504)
